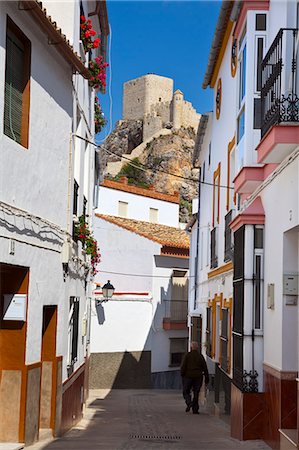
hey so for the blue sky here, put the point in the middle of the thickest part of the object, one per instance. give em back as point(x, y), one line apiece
point(169, 38)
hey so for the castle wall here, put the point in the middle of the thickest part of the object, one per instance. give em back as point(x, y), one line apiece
point(189, 116)
point(151, 125)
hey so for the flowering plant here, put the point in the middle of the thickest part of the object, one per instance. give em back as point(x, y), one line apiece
point(97, 69)
point(83, 234)
point(88, 34)
point(99, 119)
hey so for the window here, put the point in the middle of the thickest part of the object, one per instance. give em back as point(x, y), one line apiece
point(241, 125)
point(216, 196)
point(17, 84)
point(258, 276)
point(259, 60)
point(73, 333)
point(75, 201)
point(209, 332)
point(179, 296)
point(260, 22)
point(242, 75)
point(214, 256)
point(122, 209)
point(228, 235)
point(203, 171)
point(178, 347)
point(210, 149)
point(224, 340)
point(84, 206)
point(153, 215)
point(75, 207)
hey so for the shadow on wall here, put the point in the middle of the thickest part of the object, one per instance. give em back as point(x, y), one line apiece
point(100, 313)
point(118, 370)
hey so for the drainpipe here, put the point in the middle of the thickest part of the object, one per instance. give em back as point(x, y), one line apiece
point(197, 241)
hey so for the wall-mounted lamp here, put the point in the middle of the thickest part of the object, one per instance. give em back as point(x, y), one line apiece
point(107, 291)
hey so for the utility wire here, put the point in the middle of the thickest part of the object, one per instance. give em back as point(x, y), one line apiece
point(141, 275)
point(145, 168)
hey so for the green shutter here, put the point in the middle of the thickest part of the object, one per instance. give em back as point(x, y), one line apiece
point(14, 87)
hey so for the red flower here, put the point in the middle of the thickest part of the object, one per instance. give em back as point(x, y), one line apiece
point(82, 18)
point(93, 32)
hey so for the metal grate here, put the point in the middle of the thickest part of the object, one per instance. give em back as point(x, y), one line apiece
point(156, 438)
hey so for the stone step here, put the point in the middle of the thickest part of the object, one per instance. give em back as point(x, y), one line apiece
point(288, 439)
point(45, 434)
point(11, 446)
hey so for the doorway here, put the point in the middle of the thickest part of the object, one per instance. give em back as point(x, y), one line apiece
point(49, 369)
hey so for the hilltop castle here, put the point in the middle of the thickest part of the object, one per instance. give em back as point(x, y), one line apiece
point(150, 98)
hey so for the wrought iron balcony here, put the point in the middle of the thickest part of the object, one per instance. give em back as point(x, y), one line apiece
point(280, 87)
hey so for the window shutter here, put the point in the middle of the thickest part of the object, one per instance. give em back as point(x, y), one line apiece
point(14, 87)
point(75, 329)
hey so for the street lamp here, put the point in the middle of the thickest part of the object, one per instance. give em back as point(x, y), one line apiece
point(108, 291)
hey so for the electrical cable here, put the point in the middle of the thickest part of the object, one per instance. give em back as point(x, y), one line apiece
point(145, 168)
point(141, 275)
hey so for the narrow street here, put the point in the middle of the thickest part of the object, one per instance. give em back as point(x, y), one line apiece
point(146, 419)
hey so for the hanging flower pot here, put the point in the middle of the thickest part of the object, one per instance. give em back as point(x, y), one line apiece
point(88, 35)
point(99, 118)
point(97, 70)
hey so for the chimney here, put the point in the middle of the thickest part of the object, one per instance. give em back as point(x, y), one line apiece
point(123, 180)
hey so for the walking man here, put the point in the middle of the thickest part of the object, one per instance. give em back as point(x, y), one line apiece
point(192, 370)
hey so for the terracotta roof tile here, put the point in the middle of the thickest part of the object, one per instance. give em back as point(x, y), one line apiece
point(146, 192)
point(39, 13)
point(162, 234)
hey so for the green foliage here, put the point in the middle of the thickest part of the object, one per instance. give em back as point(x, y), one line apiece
point(186, 204)
point(134, 173)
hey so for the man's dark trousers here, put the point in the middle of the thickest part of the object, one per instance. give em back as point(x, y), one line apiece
point(195, 385)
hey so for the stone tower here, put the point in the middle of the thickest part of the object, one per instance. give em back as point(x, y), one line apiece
point(141, 94)
point(177, 109)
point(151, 99)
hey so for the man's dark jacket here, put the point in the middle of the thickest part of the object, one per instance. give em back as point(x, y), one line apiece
point(194, 366)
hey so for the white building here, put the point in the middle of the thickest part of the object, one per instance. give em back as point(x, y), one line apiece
point(246, 300)
point(45, 277)
point(118, 198)
point(139, 336)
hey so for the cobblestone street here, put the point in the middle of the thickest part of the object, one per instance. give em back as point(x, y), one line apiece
point(144, 419)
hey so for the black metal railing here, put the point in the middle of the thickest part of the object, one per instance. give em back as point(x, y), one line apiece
point(214, 256)
point(279, 93)
point(176, 310)
point(238, 360)
point(224, 338)
point(228, 238)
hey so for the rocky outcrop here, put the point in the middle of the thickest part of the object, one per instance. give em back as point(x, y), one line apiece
point(168, 159)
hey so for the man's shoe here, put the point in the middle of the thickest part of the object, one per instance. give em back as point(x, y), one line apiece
point(188, 408)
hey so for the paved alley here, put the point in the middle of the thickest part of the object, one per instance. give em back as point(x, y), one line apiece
point(146, 419)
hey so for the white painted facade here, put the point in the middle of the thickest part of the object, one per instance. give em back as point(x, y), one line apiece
point(138, 206)
point(132, 321)
point(37, 183)
point(265, 314)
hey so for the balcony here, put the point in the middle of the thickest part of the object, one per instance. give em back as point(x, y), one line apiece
point(279, 99)
point(176, 312)
point(250, 177)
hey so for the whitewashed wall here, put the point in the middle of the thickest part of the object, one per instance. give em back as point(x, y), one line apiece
point(138, 206)
point(133, 324)
point(282, 216)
